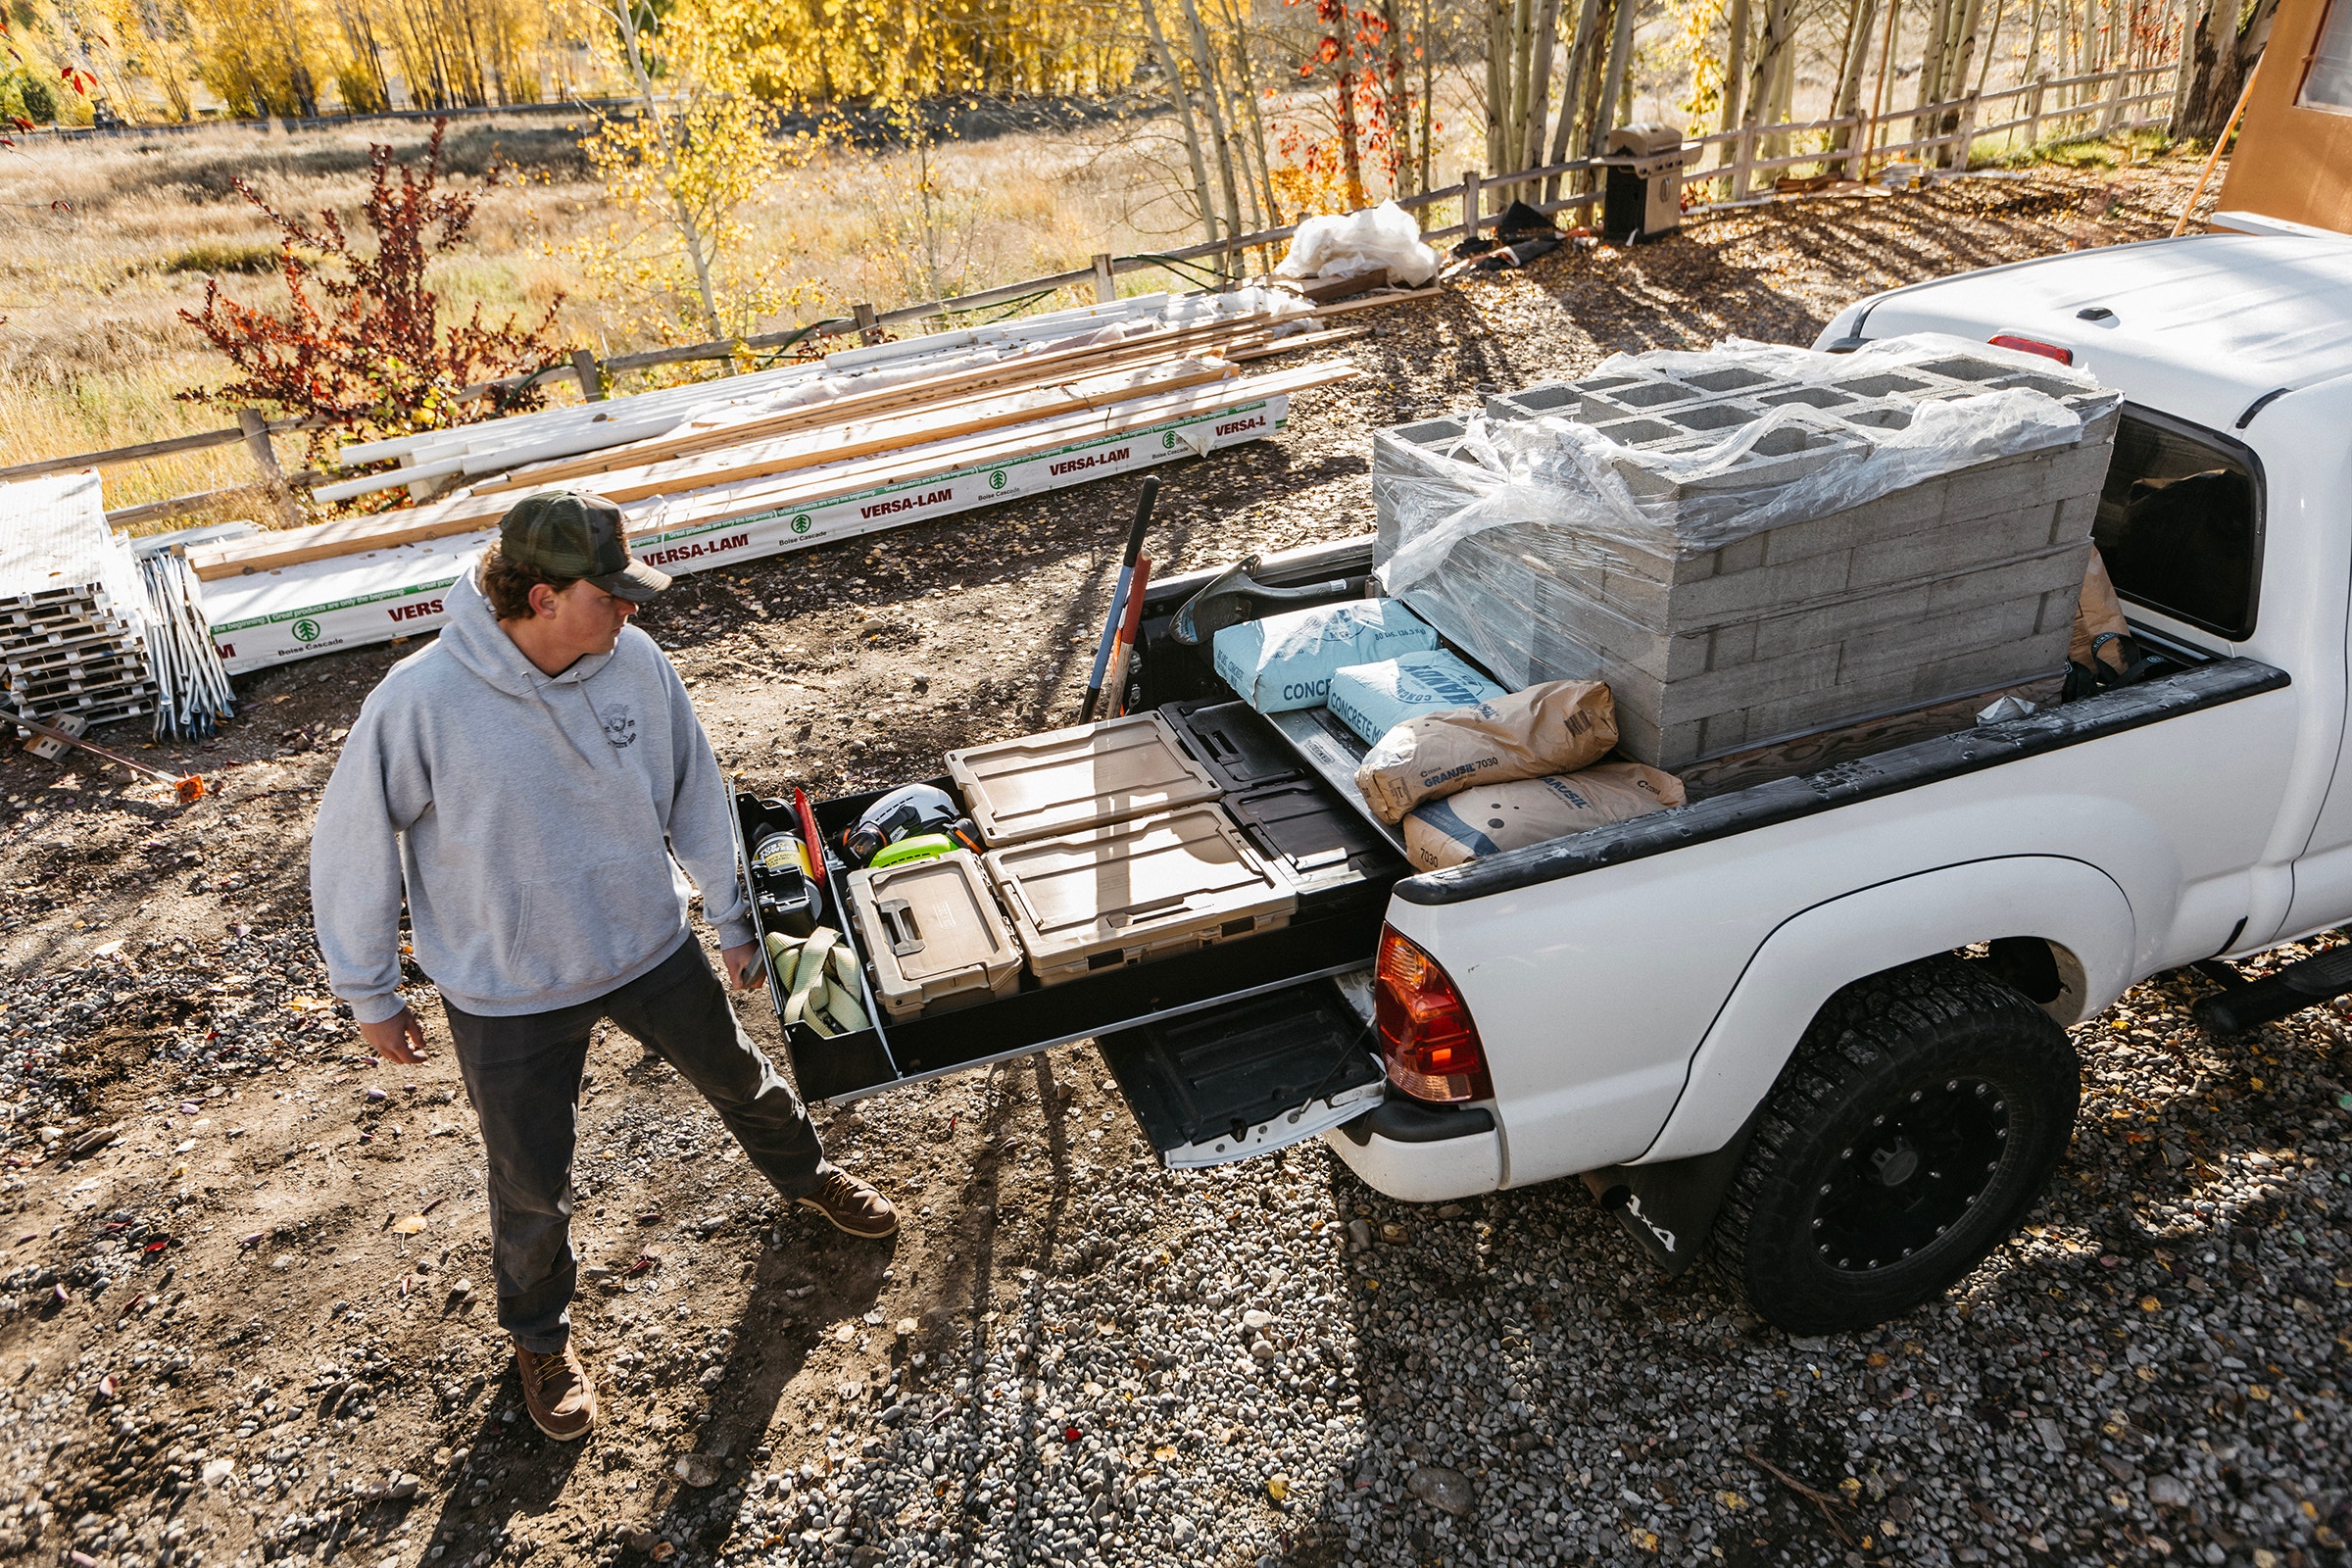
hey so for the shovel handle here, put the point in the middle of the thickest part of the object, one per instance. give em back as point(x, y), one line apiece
point(1144, 502)
point(189, 787)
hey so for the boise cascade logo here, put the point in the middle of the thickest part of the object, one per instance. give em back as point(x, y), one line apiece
point(995, 480)
point(802, 522)
point(304, 630)
point(621, 729)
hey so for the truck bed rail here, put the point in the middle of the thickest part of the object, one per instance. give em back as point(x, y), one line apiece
point(2110, 712)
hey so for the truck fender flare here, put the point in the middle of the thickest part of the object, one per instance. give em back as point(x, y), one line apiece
point(1818, 951)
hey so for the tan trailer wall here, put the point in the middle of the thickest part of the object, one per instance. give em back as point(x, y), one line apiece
point(2292, 162)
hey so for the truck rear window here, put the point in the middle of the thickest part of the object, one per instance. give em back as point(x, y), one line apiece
point(2179, 523)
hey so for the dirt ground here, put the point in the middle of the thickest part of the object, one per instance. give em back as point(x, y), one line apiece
point(267, 1285)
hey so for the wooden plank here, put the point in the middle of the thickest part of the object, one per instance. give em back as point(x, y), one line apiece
point(131, 454)
point(1303, 340)
point(293, 546)
point(177, 505)
point(1324, 290)
point(957, 385)
point(1853, 739)
point(1020, 370)
point(845, 443)
point(819, 487)
point(1373, 300)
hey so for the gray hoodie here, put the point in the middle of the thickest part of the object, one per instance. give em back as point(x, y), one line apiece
point(538, 825)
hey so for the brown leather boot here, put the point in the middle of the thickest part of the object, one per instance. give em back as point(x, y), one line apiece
point(557, 1392)
point(852, 1206)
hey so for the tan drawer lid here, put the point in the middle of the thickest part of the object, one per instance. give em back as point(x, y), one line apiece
point(1135, 882)
point(1067, 779)
point(931, 920)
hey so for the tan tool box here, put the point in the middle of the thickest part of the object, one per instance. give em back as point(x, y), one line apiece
point(1064, 780)
point(937, 937)
point(1137, 890)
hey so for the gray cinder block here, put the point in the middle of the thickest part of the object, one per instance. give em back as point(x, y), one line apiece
point(1958, 583)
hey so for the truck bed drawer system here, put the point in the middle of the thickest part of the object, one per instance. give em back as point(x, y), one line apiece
point(1235, 1042)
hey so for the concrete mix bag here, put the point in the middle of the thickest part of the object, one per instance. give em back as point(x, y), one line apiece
point(1374, 699)
point(1557, 727)
point(1493, 817)
point(1285, 663)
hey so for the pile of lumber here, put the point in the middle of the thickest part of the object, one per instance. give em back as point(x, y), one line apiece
point(433, 460)
point(73, 608)
point(872, 438)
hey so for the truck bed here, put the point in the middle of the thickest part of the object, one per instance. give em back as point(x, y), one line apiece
point(1215, 1045)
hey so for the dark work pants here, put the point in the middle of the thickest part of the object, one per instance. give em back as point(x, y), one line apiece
point(523, 1075)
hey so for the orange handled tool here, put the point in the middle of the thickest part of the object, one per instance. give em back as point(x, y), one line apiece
point(189, 787)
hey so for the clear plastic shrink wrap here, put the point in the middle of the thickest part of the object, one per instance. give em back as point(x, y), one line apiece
point(1755, 541)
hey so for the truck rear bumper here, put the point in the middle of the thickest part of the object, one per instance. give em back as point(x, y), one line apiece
point(1420, 1155)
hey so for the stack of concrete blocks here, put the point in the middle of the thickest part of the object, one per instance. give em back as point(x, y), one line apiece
point(73, 608)
point(1962, 584)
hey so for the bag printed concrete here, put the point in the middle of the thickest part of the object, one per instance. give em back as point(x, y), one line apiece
point(1495, 817)
point(1374, 699)
point(1285, 663)
point(1557, 727)
point(2097, 614)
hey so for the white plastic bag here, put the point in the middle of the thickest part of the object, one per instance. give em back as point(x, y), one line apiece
point(1357, 242)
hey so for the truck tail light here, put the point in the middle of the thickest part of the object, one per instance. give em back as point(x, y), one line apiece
point(2031, 345)
point(1427, 1039)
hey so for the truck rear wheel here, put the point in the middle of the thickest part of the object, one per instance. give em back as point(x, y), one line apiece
point(1917, 1123)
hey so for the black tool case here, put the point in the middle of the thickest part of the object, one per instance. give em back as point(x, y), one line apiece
point(1223, 1051)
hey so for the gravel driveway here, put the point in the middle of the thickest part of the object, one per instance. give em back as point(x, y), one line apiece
point(242, 1311)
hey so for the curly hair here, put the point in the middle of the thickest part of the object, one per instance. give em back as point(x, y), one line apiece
point(508, 584)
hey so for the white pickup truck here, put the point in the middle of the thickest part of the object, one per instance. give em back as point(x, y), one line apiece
point(1816, 1024)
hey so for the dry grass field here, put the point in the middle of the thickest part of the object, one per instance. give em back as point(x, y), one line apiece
point(111, 239)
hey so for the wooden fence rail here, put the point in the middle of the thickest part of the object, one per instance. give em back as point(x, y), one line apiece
point(2107, 96)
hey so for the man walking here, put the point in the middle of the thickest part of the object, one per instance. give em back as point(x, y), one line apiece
point(537, 782)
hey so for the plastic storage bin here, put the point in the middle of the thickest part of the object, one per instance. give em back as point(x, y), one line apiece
point(937, 937)
point(1235, 742)
point(1137, 890)
point(1035, 786)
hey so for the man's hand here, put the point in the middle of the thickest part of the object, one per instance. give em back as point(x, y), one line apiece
point(743, 965)
point(399, 1038)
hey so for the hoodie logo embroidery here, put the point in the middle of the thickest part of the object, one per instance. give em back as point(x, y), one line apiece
point(622, 730)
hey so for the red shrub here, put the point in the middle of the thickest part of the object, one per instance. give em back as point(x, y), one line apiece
point(360, 345)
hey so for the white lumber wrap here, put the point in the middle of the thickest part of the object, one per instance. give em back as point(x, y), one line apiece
point(274, 617)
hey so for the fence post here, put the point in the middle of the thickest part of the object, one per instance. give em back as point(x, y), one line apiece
point(1106, 282)
point(2115, 103)
point(868, 329)
point(1964, 135)
point(2033, 113)
point(1857, 148)
point(265, 457)
point(1743, 154)
point(591, 384)
point(1472, 179)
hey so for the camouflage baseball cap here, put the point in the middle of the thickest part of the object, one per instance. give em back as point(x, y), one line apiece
point(570, 533)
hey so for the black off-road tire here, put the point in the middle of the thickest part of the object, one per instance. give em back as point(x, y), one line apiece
point(1916, 1124)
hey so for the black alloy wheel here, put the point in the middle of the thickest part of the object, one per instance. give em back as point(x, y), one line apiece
point(1916, 1123)
point(1910, 1178)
